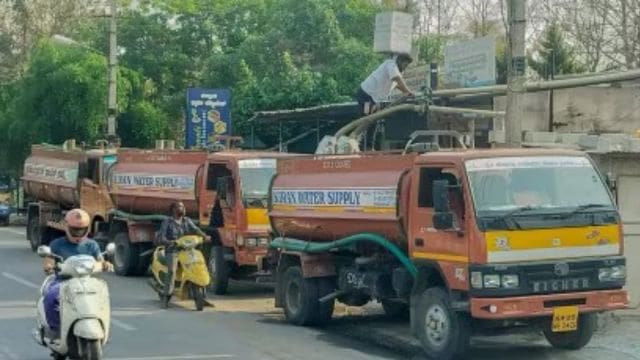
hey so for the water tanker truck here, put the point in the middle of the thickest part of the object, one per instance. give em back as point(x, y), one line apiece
point(226, 192)
point(128, 198)
point(464, 241)
point(59, 178)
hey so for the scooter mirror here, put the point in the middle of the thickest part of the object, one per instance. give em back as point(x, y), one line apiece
point(110, 249)
point(44, 250)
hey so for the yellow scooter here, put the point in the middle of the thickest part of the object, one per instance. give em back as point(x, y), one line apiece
point(191, 275)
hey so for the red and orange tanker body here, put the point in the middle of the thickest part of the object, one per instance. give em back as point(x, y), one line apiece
point(229, 187)
point(493, 238)
point(143, 184)
point(58, 178)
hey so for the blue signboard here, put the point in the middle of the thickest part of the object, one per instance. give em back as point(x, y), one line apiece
point(208, 116)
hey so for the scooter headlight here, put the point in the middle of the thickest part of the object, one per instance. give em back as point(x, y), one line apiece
point(82, 265)
point(188, 243)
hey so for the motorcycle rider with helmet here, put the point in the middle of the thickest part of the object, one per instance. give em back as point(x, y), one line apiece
point(76, 242)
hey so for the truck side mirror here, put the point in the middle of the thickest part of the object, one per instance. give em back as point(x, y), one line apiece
point(221, 187)
point(442, 217)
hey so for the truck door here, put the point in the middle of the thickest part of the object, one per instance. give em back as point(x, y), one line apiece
point(447, 249)
point(223, 211)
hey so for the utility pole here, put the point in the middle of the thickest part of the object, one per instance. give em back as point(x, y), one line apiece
point(517, 66)
point(112, 106)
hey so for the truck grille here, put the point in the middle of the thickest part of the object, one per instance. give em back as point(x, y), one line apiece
point(553, 277)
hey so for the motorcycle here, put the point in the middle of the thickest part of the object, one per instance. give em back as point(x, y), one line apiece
point(191, 274)
point(85, 309)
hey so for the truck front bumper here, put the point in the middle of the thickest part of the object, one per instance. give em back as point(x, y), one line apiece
point(542, 305)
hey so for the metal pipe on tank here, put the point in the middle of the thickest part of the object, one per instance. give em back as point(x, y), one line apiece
point(377, 116)
point(456, 110)
point(583, 81)
point(593, 79)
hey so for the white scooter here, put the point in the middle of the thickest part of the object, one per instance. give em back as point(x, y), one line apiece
point(85, 309)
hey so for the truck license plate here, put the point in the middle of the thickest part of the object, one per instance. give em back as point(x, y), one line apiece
point(565, 318)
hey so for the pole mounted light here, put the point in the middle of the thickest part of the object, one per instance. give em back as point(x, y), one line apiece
point(112, 105)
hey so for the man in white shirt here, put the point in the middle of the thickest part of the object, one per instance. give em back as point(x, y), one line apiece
point(377, 86)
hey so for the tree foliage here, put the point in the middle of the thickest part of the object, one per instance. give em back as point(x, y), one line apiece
point(61, 96)
point(554, 56)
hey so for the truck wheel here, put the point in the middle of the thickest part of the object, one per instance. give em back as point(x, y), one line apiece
point(126, 257)
point(444, 334)
point(34, 232)
point(573, 340)
point(219, 270)
point(395, 309)
point(301, 305)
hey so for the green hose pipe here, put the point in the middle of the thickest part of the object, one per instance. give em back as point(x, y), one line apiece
point(315, 247)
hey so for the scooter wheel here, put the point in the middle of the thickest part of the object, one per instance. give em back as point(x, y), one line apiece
point(197, 294)
point(164, 300)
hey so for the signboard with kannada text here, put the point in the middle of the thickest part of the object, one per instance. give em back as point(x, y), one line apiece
point(470, 63)
point(208, 116)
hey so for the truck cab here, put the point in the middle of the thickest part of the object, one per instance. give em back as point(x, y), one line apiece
point(464, 241)
point(233, 203)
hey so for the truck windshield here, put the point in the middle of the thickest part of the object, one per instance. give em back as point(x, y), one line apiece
point(255, 177)
point(511, 187)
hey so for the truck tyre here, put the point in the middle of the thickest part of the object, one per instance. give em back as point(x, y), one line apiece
point(395, 309)
point(444, 334)
point(126, 257)
point(34, 232)
point(219, 270)
point(301, 305)
point(573, 340)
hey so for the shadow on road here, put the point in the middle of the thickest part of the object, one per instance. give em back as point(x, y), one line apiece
point(371, 333)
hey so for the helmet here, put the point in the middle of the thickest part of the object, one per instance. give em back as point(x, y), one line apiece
point(77, 225)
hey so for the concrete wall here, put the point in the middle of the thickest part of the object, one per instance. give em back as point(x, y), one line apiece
point(586, 109)
point(626, 171)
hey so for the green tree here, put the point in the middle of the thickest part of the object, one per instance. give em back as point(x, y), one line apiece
point(62, 96)
point(307, 53)
point(554, 56)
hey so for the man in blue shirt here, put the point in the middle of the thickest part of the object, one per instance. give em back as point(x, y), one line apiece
point(74, 243)
point(172, 228)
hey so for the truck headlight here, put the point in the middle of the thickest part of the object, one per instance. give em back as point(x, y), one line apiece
point(252, 242)
point(491, 281)
point(239, 240)
point(264, 242)
point(511, 281)
point(476, 279)
point(614, 273)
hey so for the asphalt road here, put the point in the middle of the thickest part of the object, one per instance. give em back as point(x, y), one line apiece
point(246, 326)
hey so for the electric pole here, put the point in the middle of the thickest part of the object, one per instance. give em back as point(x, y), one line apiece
point(517, 66)
point(112, 106)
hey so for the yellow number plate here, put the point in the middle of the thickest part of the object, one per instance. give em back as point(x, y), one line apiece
point(565, 319)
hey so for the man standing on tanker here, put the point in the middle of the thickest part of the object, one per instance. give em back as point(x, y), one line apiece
point(172, 228)
point(378, 85)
